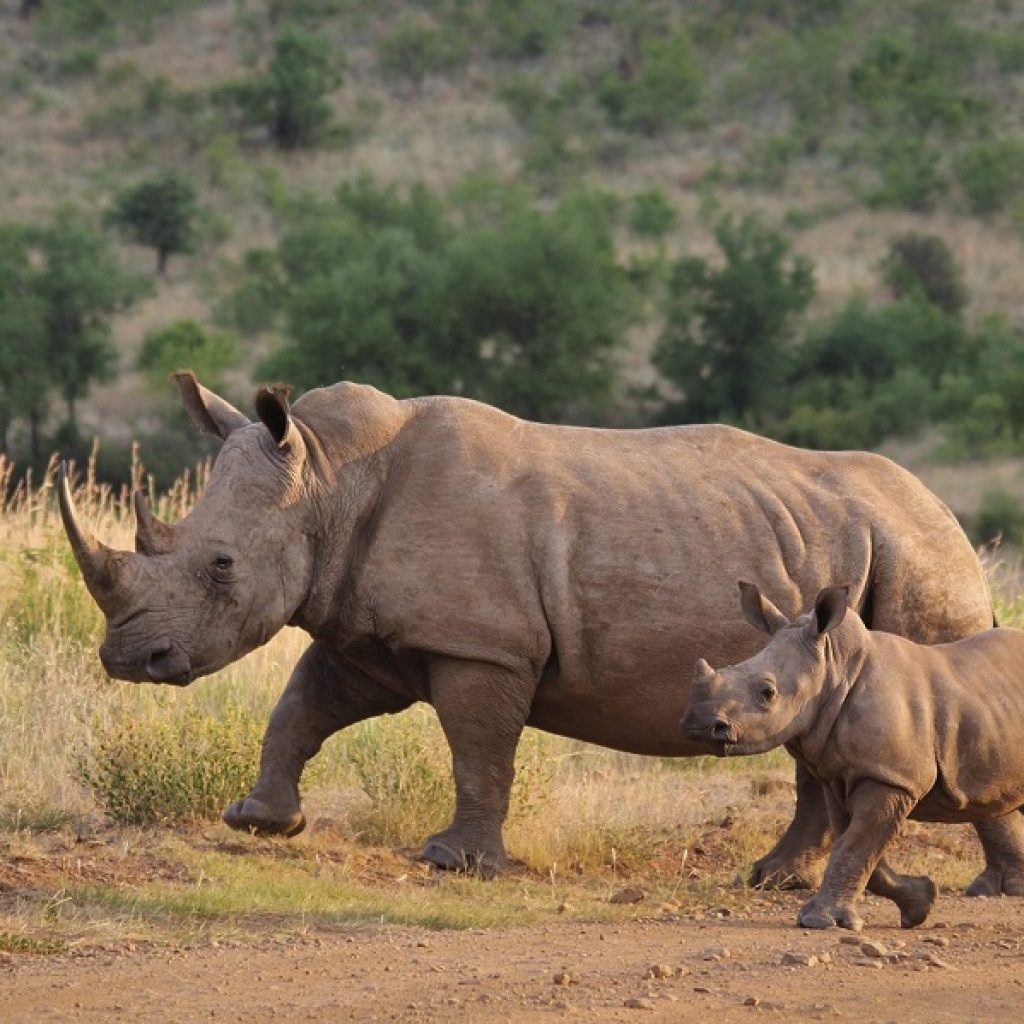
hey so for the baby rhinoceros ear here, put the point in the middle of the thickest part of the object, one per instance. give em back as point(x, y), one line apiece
point(829, 609)
point(759, 611)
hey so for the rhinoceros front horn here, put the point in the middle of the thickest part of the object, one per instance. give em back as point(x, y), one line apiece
point(100, 565)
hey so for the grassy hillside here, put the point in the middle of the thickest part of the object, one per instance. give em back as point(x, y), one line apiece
point(841, 124)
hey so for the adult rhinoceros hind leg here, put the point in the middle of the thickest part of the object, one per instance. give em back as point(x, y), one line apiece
point(482, 710)
point(323, 695)
point(1003, 842)
point(798, 859)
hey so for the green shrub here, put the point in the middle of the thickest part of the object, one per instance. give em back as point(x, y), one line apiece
point(652, 213)
point(910, 174)
point(415, 48)
point(526, 28)
point(1008, 48)
point(146, 771)
point(991, 173)
point(924, 266)
point(403, 765)
point(664, 91)
point(79, 62)
point(916, 78)
point(769, 162)
point(1000, 515)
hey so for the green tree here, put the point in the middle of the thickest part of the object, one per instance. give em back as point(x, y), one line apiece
point(366, 293)
point(725, 340)
point(159, 212)
point(504, 302)
point(82, 288)
point(185, 344)
point(290, 98)
point(542, 296)
point(24, 372)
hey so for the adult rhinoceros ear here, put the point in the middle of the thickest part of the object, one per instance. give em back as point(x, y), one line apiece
point(829, 609)
point(759, 611)
point(208, 411)
point(272, 408)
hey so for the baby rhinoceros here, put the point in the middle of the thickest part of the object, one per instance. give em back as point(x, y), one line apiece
point(893, 730)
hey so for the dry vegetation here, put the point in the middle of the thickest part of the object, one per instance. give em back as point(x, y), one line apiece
point(77, 749)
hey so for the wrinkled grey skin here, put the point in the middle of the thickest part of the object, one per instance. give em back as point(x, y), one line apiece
point(510, 573)
point(893, 730)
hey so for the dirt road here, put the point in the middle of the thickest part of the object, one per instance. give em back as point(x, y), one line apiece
point(967, 965)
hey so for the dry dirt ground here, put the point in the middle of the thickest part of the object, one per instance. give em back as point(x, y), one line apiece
point(967, 964)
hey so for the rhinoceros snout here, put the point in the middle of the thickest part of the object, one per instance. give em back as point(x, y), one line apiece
point(162, 661)
point(704, 724)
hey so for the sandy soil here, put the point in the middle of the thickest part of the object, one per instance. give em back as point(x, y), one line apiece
point(967, 964)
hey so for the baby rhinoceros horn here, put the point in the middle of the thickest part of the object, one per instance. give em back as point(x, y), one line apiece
point(102, 567)
point(702, 671)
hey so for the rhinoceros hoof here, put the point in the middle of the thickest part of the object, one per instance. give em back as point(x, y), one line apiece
point(917, 901)
point(449, 855)
point(994, 881)
point(818, 913)
point(775, 873)
point(255, 817)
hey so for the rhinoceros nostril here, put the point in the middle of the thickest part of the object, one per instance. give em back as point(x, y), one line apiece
point(721, 730)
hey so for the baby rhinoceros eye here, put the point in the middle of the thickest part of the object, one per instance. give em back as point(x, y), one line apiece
point(767, 692)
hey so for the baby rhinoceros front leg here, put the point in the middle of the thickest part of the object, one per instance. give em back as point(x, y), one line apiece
point(870, 818)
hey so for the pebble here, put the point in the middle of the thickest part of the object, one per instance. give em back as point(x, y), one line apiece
point(875, 949)
point(849, 940)
point(934, 960)
point(868, 961)
point(659, 971)
point(936, 940)
point(638, 1003)
point(799, 959)
point(566, 977)
point(717, 953)
point(751, 1001)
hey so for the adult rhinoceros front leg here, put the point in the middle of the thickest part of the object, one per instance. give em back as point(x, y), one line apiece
point(323, 695)
point(798, 858)
point(482, 710)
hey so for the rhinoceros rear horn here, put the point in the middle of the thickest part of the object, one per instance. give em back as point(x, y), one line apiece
point(152, 537)
point(100, 565)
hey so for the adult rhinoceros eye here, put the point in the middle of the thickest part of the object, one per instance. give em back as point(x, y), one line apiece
point(221, 568)
point(767, 692)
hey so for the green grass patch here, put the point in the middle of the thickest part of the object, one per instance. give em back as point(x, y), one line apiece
point(12, 943)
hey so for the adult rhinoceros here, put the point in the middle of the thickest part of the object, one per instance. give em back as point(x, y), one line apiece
point(511, 574)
